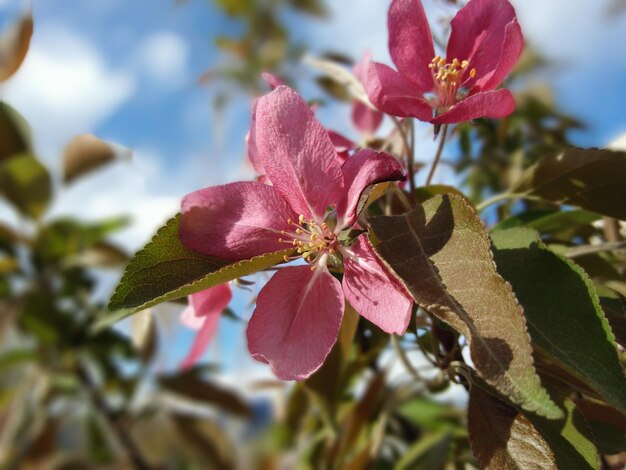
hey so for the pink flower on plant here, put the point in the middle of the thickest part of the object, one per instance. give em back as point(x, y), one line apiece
point(485, 43)
point(364, 118)
point(203, 314)
point(312, 204)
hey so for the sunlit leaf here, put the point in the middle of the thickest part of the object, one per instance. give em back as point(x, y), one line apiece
point(26, 184)
point(165, 269)
point(14, 44)
point(562, 310)
point(608, 425)
point(594, 179)
point(561, 225)
point(502, 437)
point(86, 153)
point(14, 133)
point(442, 255)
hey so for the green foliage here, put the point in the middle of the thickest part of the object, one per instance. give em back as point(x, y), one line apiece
point(424, 248)
point(165, 269)
point(562, 310)
point(26, 184)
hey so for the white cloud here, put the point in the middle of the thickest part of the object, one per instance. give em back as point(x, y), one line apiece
point(64, 88)
point(164, 56)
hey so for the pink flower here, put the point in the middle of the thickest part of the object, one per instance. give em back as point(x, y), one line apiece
point(311, 205)
point(484, 45)
point(203, 314)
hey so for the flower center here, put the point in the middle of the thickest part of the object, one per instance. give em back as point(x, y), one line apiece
point(448, 79)
point(316, 243)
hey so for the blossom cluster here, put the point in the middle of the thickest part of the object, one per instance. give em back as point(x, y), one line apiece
point(307, 197)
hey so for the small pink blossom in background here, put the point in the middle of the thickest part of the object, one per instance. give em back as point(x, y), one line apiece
point(203, 314)
point(312, 200)
point(485, 43)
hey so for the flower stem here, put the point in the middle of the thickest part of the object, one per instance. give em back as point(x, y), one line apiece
point(404, 359)
point(442, 142)
point(408, 150)
point(497, 198)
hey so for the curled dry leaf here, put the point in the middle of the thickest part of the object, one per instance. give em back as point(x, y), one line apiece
point(86, 153)
point(14, 44)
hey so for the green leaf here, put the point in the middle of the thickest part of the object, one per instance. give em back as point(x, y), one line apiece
point(442, 255)
point(608, 425)
point(562, 310)
point(594, 179)
point(165, 270)
point(502, 437)
point(561, 225)
point(571, 439)
point(14, 133)
point(424, 193)
point(26, 184)
point(430, 451)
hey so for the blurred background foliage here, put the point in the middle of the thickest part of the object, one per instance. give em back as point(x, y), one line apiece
point(76, 395)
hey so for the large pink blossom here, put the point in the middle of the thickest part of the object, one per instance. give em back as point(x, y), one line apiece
point(203, 314)
point(312, 203)
point(485, 43)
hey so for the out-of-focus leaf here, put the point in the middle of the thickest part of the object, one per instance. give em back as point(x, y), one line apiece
point(608, 425)
point(429, 452)
point(312, 7)
point(14, 44)
point(190, 384)
point(235, 7)
point(8, 265)
point(14, 133)
point(208, 441)
point(14, 357)
point(326, 381)
point(165, 269)
point(86, 153)
point(333, 88)
point(103, 255)
point(442, 255)
point(501, 437)
point(594, 179)
point(562, 310)
point(340, 75)
point(65, 238)
point(562, 225)
point(144, 334)
point(26, 184)
point(429, 414)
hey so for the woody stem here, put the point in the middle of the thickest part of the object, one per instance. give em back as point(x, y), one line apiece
point(442, 142)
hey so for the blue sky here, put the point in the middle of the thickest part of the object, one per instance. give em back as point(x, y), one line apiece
point(126, 71)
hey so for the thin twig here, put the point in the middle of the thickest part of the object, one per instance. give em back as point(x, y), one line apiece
point(442, 142)
point(583, 250)
point(404, 359)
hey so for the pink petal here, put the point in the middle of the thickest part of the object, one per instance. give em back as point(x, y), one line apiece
point(360, 68)
point(364, 168)
point(235, 221)
point(478, 35)
point(411, 42)
point(296, 321)
point(253, 154)
point(298, 156)
point(365, 119)
point(372, 291)
point(393, 94)
point(490, 104)
point(272, 80)
point(204, 313)
point(342, 144)
point(511, 50)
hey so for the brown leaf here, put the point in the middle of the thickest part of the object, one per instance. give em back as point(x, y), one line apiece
point(441, 253)
point(503, 438)
point(86, 153)
point(14, 44)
